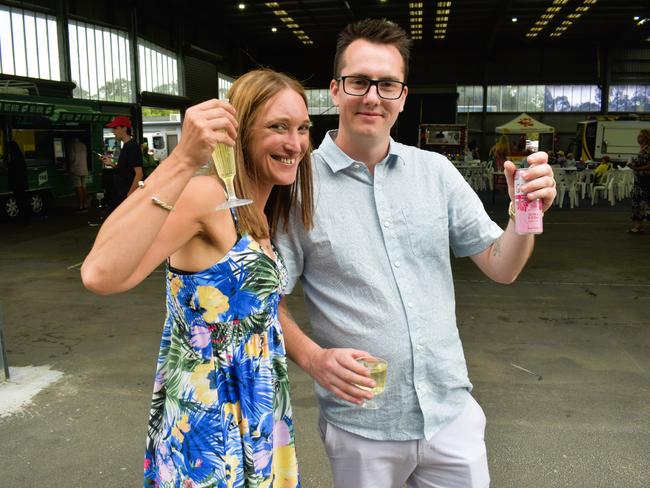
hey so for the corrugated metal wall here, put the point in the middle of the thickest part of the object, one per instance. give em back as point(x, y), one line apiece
point(200, 79)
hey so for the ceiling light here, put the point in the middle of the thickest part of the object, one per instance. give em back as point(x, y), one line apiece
point(442, 11)
point(297, 32)
point(292, 26)
point(286, 20)
point(590, 2)
point(280, 12)
point(636, 17)
point(514, 19)
point(272, 4)
point(274, 29)
point(241, 6)
point(444, 4)
point(416, 5)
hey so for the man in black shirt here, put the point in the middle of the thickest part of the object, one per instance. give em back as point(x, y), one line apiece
point(128, 170)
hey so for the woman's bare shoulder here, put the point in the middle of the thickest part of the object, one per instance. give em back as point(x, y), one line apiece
point(202, 190)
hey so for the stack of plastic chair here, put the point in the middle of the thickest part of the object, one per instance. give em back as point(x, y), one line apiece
point(625, 183)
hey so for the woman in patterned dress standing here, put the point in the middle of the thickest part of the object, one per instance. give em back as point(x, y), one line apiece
point(641, 189)
point(221, 414)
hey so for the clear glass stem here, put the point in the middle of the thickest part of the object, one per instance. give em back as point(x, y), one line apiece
point(230, 187)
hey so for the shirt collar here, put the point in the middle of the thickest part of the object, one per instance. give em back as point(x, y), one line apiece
point(337, 160)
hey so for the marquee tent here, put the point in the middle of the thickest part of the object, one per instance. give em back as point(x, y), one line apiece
point(524, 124)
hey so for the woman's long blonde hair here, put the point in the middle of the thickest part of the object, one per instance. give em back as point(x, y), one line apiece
point(249, 95)
point(644, 138)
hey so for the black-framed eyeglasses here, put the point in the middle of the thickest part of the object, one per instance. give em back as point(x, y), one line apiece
point(358, 86)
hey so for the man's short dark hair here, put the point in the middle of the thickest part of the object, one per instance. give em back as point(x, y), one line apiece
point(378, 31)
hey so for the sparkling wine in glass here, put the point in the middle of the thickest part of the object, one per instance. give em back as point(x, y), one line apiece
point(377, 368)
point(223, 157)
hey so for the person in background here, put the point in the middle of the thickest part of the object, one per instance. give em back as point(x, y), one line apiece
point(221, 412)
point(570, 161)
point(128, 169)
point(473, 147)
point(78, 168)
point(641, 190)
point(600, 171)
point(149, 163)
point(499, 152)
point(376, 276)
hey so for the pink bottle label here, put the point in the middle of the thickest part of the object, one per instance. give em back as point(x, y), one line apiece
point(528, 213)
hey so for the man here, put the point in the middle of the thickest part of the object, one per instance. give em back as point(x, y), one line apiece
point(377, 279)
point(128, 170)
point(78, 167)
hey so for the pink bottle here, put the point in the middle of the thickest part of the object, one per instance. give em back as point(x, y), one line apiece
point(528, 213)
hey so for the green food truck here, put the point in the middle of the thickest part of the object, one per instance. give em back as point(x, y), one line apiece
point(43, 128)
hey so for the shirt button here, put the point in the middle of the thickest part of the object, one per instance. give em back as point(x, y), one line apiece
point(397, 264)
point(387, 223)
point(409, 304)
point(418, 347)
point(356, 166)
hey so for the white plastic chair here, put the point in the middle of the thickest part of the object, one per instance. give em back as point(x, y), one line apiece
point(625, 183)
point(585, 181)
point(607, 187)
point(566, 185)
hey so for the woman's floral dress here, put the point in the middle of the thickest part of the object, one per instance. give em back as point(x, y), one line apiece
point(221, 413)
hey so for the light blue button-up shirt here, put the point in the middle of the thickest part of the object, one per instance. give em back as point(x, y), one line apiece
point(376, 274)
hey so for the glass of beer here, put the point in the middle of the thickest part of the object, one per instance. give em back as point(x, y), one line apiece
point(223, 157)
point(377, 368)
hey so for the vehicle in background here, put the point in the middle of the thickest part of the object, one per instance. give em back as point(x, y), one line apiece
point(43, 128)
point(162, 134)
point(613, 138)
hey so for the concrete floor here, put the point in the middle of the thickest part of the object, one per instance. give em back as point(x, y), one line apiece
point(579, 317)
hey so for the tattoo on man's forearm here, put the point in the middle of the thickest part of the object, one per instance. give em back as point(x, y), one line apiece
point(496, 247)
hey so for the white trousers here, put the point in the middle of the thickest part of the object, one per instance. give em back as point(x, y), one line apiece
point(454, 458)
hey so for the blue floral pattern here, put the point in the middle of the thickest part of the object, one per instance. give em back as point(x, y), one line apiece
point(221, 412)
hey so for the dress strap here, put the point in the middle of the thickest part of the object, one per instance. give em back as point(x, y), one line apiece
point(233, 214)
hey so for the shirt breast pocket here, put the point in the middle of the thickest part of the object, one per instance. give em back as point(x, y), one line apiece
point(428, 234)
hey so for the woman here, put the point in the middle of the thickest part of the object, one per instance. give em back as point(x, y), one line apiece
point(499, 152)
point(221, 413)
point(641, 190)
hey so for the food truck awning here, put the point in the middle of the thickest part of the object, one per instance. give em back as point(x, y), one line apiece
point(24, 107)
point(78, 113)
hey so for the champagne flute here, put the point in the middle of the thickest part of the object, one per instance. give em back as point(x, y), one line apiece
point(378, 368)
point(223, 157)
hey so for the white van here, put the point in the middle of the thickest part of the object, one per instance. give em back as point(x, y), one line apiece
point(157, 142)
